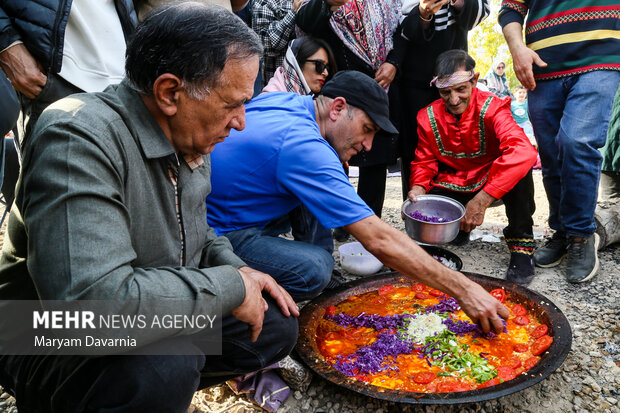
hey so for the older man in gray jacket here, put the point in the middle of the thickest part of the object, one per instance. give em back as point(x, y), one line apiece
point(110, 206)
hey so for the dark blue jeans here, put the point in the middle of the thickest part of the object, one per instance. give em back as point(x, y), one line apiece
point(302, 267)
point(570, 117)
point(139, 383)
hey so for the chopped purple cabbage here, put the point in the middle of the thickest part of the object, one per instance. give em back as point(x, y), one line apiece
point(378, 322)
point(371, 359)
point(421, 217)
point(445, 305)
point(462, 327)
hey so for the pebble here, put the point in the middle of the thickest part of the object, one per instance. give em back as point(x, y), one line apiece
point(297, 395)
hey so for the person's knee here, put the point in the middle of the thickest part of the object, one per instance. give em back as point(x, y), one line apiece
point(317, 272)
point(157, 383)
point(282, 332)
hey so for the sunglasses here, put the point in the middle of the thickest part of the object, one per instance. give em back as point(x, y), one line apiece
point(319, 65)
point(501, 67)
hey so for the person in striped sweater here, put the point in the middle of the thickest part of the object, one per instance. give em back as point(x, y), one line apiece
point(571, 65)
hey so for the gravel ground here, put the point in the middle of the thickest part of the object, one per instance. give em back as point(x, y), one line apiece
point(588, 381)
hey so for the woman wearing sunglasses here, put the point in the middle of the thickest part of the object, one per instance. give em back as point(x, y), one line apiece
point(496, 80)
point(308, 64)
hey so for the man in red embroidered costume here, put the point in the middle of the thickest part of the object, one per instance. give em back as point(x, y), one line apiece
point(470, 149)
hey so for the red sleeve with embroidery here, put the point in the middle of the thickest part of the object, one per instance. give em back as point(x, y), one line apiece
point(517, 153)
point(425, 165)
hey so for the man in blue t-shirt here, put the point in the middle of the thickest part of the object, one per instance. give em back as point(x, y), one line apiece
point(291, 153)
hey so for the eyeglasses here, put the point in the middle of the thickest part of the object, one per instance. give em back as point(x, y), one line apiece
point(319, 65)
point(501, 67)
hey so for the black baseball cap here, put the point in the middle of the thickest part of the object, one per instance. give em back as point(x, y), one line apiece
point(363, 92)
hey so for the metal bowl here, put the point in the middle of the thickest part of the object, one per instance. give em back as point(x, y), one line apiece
point(545, 310)
point(436, 206)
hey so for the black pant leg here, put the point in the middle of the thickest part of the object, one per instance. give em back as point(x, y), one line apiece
point(520, 207)
point(115, 384)
point(371, 186)
point(145, 383)
point(414, 98)
point(240, 356)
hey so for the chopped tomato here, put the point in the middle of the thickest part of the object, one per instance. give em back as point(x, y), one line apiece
point(498, 294)
point(421, 296)
point(541, 344)
point(521, 348)
point(331, 310)
point(531, 362)
point(385, 289)
point(518, 310)
point(352, 333)
point(452, 386)
point(489, 383)
point(514, 363)
point(419, 287)
point(332, 336)
point(540, 331)
point(424, 377)
point(522, 320)
point(361, 377)
point(378, 300)
point(506, 373)
point(436, 293)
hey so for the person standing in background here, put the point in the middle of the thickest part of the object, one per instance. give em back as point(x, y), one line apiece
point(308, 64)
point(610, 170)
point(518, 107)
point(77, 46)
point(431, 27)
point(274, 22)
point(497, 81)
point(570, 65)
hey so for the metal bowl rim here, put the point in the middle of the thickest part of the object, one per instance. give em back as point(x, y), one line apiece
point(441, 198)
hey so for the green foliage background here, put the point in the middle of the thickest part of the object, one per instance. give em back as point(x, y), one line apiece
point(486, 44)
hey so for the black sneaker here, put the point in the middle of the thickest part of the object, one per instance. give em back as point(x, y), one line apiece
point(552, 253)
point(582, 263)
point(521, 268)
point(341, 235)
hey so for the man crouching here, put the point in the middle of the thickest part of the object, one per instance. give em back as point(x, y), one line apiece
point(110, 206)
point(471, 150)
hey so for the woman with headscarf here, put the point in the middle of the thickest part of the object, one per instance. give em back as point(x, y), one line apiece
point(496, 80)
point(363, 35)
point(308, 64)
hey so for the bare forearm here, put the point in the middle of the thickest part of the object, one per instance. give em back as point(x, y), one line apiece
point(513, 33)
point(396, 250)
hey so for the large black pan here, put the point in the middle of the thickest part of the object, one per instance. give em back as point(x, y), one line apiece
point(547, 312)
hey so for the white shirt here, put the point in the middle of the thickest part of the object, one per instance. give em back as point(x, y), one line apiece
point(94, 47)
